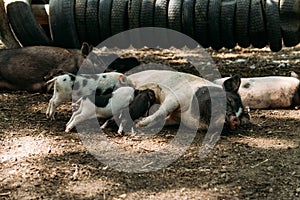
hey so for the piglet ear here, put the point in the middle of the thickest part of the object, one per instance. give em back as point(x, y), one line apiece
point(232, 84)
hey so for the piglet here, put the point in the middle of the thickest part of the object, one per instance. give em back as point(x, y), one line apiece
point(143, 100)
point(102, 106)
point(70, 86)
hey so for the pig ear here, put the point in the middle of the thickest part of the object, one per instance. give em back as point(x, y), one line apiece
point(86, 49)
point(49, 86)
point(232, 84)
point(122, 79)
point(72, 77)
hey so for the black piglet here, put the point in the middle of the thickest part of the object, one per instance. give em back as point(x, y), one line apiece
point(140, 105)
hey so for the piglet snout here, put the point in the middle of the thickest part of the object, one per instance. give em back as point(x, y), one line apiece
point(234, 122)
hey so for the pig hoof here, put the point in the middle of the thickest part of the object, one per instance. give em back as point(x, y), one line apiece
point(120, 133)
point(51, 117)
point(103, 127)
point(133, 132)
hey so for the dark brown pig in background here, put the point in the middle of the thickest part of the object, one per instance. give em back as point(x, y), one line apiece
point(29, 68)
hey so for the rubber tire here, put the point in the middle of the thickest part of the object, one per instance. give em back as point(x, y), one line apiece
point(161, 13)
point(104, 19)
point(201, 23)
point(273, 25)
point(174, 15)
point(257, 31)
point(119, 16)
point(25, 27)
point(289, 22)
point(39, 1)
point(242, 23)
point(62, 24)
point(119, 22)
point(188, 16)
point(147, 13)
point(214, 12)
point(91, 22)
point(227, 23)
point(161, 20)
point(80, 9)
point(134, 13)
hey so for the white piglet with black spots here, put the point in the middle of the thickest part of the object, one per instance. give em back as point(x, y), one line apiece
point(101, 106)
point(69, 86)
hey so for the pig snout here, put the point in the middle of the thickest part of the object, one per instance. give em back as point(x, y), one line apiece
point(233, 122)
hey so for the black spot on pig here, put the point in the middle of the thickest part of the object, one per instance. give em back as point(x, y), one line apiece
point(76, 85)
point(232, 102)
point(84, 83)
point(72, 77)
point(100, 101)
point(79, 94)
point(201, 102)
point(246, 85)
point(108, 91)
point(98, 91)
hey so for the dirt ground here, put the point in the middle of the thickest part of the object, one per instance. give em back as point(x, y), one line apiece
point(38, 160)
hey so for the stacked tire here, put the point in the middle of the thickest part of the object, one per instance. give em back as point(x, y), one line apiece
point(212, 23)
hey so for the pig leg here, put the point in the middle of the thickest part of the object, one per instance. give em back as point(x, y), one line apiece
point(38, 87)
point(120, 129)
point(7, 85)
point(53, 104)
point(169, 105)
point(83, 113)
point(79, 118)
point(77, 112)
point(106, 123)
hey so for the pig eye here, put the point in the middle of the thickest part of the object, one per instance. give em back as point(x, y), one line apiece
point(104, 76)
point(64, 79)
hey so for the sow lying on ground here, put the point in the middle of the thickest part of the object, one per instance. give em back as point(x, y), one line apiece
point(191, 100)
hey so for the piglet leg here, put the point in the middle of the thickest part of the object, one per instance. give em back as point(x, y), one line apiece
point(106, 123)
point(82, 114)
point(77, 119)
point(53, 104)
